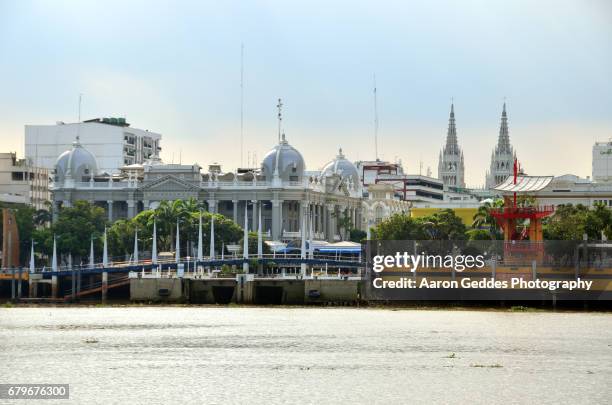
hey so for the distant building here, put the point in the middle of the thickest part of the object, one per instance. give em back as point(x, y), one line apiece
point(380, 204)
point(571, 189)
point(23, 183)
point(502, 157)
point(602, 161)
point(112, 141)
point(451, 167)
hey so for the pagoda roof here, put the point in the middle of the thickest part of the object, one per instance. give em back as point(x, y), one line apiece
point(524, 184)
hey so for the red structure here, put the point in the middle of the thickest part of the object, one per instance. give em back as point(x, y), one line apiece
point(522, 223)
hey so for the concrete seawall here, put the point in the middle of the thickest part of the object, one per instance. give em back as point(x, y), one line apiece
point(246, 290)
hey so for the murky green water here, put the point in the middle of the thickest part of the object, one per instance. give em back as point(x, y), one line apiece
point(148, 355)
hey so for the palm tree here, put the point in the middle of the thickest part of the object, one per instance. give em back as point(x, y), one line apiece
point(484, 217)
point(41, 217)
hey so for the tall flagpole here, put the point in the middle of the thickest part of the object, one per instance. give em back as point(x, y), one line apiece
point(135, 256)
point(32, 265)
point(92, 262)
point(105, 251)
point(154, 247)
point(212, 237)
point(245, 244)
point(259, 237)
point(54, 259)
point(177, 249)
point(200, 252)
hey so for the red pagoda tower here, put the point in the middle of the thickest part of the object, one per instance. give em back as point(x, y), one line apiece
point(522, 242)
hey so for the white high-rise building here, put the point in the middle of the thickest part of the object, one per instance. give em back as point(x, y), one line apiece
point(502, 157)
point(602, 161)
point(451, 167)
point(113, 142)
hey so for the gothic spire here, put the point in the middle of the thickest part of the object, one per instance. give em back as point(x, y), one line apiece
point(503, 143)
point(452, 147)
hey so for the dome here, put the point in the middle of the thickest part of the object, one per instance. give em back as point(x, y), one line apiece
point(342, 167)
point(286, 159)
point(77, 163)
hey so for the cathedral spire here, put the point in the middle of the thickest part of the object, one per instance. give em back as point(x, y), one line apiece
point(452, 147)
point(503, 142)
point(451, 165)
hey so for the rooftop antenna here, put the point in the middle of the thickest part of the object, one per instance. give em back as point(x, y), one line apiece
point(78, 137)
point(180, 156)
point(420, 165)
point(80, 101)
point(375, 120)
point(280, 118)
point(241, 104)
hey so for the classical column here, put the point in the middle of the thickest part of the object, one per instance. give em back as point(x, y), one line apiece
point(321, 219)
point(331, 224)
point(324, 221)
point(304, 205)
point(276, 219)
point(131, 208)
point(235, 217)
point(110, 210)
point(280, 215)
point(254, 225)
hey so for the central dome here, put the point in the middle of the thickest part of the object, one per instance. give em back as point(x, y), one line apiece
point(77, 163)
point(342, 167)
point(285, 160)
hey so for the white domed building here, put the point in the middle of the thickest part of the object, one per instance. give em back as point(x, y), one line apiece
point(75, 165)
point(289, 198)
point(283, 163)
point(341, 173)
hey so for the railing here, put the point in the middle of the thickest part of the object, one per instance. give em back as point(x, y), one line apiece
point(523, 211)
point(206, 261)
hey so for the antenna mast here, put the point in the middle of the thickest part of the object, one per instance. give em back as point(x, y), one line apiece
point(241, 104)
point(78, 137)
point(280, 118)
point(80, 100)
point(375, 120)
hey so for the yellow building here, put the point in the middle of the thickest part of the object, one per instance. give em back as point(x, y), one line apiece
point(466, 214)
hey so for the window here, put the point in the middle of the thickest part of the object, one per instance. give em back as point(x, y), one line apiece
point(17, 176)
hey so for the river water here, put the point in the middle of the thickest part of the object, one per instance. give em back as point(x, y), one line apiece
point(221, 355)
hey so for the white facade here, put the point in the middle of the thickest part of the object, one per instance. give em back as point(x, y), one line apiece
point(602, 161)
point(113, 143)
point(571, 189)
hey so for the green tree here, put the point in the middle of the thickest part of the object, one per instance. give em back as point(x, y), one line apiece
point(75, 227)
point(567, 223)
point(598, 221)
point(443, 225)
point(484, 219)
point(478, 234)
point(398, 227)
point(357, 235)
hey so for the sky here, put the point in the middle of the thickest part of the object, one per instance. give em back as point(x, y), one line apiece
point(173, 67)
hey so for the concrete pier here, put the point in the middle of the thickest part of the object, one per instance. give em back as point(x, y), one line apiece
point(245, 289)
